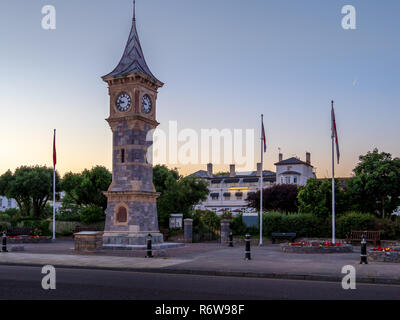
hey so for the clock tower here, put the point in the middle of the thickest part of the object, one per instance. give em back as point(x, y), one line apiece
point(131, 198)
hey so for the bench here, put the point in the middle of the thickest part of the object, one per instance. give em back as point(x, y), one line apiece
point(370, 236)
point(19, 231)
point(290, 236)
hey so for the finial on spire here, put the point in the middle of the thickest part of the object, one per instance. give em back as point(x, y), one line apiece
point(134, 9)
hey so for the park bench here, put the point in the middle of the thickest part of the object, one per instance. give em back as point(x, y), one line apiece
point(370, 236)
point(290, 236)
point(19, 231)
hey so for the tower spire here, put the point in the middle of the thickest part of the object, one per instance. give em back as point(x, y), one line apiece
point(132, 60)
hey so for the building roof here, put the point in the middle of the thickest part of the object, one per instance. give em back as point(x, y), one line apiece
point(200, 174)
point(292, 160)
point(132, 60)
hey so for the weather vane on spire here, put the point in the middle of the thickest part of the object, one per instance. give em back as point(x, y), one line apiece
point(134, 9)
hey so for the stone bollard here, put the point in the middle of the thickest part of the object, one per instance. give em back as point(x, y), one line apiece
point(149, 246)
point(188, 230)
point(247, 252)
point(225, 230)
point(4, 248)
point(363, 250)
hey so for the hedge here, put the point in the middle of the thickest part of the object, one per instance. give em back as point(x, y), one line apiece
point(309, 225)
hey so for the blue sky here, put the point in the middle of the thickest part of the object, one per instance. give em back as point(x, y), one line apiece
point(224, 62)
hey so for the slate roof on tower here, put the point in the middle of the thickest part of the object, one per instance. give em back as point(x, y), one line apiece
point(132, 60)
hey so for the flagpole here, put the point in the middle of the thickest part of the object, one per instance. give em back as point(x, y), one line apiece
point(261, 180)
point(54, 189)
point(333, 178)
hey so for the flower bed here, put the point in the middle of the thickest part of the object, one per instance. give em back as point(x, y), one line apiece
point(316, 247)
point(28, 239)
point(380, 254)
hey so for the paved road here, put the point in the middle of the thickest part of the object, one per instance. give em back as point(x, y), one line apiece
point(18, 282)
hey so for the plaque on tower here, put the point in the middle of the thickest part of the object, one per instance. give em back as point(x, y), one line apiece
point(131, 198)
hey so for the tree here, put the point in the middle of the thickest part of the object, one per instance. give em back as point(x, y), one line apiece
point(87, 188)
point(31, 187)
point(316, 197)
point(281, 197)
point(375, 188)
point(178, 194)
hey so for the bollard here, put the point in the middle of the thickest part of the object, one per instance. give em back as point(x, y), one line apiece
point(247, 256)
point(4, 248)
point(231, 239)
point(149, 247)
point(363, 250)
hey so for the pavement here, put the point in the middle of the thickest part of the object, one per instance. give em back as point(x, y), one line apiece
point(211, 259)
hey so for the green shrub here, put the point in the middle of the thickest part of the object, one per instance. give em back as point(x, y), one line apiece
point(40, 227)
point(5, 217)
point(12, 212)
point(305, 225)
point(68, 216)
point(355, 221)
point(238, 227)
point(92, 214)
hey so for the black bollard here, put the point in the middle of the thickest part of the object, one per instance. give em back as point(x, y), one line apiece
point(149, 247)
point(248, 255)
point(4, 248)
point(231, 240)
point(363, 250)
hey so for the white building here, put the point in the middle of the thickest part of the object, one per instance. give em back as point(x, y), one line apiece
point(294, 171)
point(6, 204)
point(229, 192)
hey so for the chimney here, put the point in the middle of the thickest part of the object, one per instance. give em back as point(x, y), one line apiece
point(308, 158)
point(259, 168)
point(210, 170)
point(280, 157)
point(232, 172)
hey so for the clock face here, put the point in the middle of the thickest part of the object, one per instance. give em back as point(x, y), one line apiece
point(123, 102)
point(146, 104)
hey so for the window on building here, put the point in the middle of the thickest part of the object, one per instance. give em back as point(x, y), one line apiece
point(214, 196)
point(282, 180)
point(122, 155)
point(287, 180)
point(295, 180)
point(227, 196)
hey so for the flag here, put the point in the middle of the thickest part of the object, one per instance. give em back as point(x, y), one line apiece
point(54, 150)
point(263, 138)
point(334, 133)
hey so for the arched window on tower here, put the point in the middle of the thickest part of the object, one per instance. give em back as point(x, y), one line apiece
point(122, 215)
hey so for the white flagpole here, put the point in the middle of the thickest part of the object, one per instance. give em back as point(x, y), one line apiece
point(333, 177)
point(261, 181)
point(54, 190)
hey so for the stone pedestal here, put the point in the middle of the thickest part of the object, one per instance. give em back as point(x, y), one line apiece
point(188, 230)
point(225, 230)
point(88, 241)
